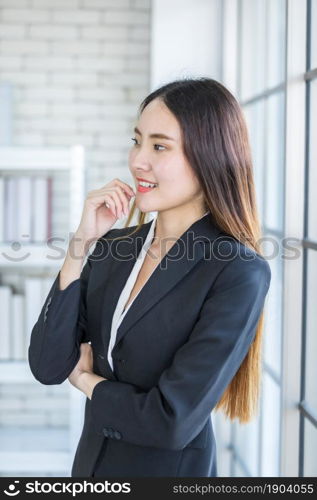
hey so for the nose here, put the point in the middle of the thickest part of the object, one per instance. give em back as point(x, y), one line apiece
point(139, 160)
point(139, 165)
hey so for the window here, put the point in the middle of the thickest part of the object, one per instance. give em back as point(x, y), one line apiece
point(272, 70)
point(308, 399)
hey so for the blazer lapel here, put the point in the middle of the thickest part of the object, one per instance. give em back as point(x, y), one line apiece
point(185, 253)
point(124, 254)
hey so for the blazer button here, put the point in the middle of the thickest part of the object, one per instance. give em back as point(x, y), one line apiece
point(105, 431)
point(117, 435)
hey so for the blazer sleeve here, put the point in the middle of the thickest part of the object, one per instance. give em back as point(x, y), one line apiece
point(54, 348)
point(173, 412)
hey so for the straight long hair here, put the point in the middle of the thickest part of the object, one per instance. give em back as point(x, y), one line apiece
point(216, 144)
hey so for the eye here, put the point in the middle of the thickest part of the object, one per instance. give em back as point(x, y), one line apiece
point(134, 139)
point(160, 146)
point(155, 145)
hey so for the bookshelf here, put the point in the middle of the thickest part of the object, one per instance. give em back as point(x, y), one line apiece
point(25, 453)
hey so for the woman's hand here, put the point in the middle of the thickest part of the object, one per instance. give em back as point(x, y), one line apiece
point(85, 364)
point(82, 376)
point(102, 208)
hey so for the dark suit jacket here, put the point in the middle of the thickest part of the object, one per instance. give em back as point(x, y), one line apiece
point(178, 347)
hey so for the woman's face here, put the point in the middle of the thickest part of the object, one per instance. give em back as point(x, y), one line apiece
point(160, 160)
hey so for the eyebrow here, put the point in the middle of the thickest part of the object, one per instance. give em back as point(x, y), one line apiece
point(156, 135)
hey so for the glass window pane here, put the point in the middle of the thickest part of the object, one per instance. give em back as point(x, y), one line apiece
point(222, 431)
point(246, 443)
point(312, 184)
point(313, 34)
point(238, 470)
point(270, 427)
point(275, 42)
point(262, 45)
point(252, 47)
point(310, 450)
point(311, 331)
point(274, 165)
point(274, 305)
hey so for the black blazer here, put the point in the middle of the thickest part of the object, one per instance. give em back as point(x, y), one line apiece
point(178, 347)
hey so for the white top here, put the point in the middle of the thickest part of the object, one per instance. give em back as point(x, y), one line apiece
point(119, 313)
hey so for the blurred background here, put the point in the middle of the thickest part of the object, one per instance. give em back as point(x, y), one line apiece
point(72, 74)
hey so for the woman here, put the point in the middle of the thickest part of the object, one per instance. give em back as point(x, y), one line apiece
point(173, 308)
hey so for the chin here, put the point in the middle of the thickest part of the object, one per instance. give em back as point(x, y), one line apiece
point(145, 209)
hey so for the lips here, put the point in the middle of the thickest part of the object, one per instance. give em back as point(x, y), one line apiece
point(145, 180)
point(143, 189)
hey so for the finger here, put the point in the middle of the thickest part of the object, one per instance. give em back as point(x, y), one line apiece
point(118, 206)
point(110, 203)
point(101, 197)
point(123, 196)
point(125, 187)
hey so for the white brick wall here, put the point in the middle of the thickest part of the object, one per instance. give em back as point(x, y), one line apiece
point(79, 68)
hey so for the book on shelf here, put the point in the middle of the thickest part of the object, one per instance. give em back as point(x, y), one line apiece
point(26, 208)
point(22, 208)
point(17, 338)
point(2, 213)
point(5, 304)
point(10, 195)
point(19, 313)
point(41, 208)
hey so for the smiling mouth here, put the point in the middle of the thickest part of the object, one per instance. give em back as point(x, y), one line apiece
point(147, 184)
point(143, 189)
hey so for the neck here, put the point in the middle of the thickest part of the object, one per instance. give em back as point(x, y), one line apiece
point(171, 224)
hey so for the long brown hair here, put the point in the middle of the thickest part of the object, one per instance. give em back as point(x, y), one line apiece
point(216, 144)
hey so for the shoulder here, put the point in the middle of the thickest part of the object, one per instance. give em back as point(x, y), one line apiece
point(239, 262)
